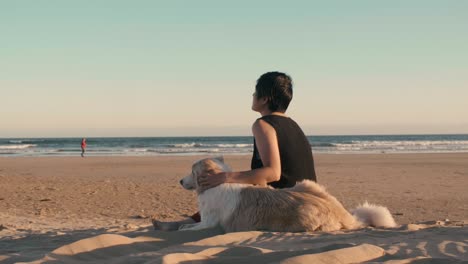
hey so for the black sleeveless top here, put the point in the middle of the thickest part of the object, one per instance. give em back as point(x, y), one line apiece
point(297, 162)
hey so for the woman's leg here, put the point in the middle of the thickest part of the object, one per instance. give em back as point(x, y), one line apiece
point(172, 226)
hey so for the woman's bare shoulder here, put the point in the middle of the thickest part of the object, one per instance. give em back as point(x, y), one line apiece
point(262, 128)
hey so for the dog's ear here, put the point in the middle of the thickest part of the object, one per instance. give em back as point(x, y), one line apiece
point(219, 158)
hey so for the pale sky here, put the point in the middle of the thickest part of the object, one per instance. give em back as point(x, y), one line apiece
point(188, 68)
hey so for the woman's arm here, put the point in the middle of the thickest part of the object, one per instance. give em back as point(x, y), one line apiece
point(267, 145)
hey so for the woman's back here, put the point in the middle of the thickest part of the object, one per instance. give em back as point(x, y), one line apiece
point(297, 162)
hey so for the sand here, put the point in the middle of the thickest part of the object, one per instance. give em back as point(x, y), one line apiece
point(99, 209)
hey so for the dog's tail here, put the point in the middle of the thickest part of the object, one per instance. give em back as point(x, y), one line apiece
point(373, 215)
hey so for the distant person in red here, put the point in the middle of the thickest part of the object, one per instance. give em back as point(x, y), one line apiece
point(83, 147)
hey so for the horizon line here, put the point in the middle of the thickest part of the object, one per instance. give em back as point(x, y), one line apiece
point(319, 135)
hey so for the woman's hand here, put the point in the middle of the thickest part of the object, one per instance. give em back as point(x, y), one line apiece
point(210, 180)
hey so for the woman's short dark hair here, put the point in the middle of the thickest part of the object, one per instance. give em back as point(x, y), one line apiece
point(277, 88)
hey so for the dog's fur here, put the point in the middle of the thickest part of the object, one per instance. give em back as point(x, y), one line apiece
point(305, 207)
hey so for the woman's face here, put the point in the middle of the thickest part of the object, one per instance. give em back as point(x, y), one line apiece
point(254, 101)
point(257, 104)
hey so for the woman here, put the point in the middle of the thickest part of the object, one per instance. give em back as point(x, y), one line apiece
point(282, 153)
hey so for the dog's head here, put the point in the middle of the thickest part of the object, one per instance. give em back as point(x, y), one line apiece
point(204, 166)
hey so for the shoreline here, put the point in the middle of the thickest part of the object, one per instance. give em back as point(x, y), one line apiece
point(233, 145)
point(214, 154)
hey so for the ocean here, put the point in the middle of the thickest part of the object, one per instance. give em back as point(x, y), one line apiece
point(163, 146)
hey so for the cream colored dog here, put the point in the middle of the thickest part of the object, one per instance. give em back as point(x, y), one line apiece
point(305, 207)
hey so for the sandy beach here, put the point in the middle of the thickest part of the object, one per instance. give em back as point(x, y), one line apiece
point(99, 209)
